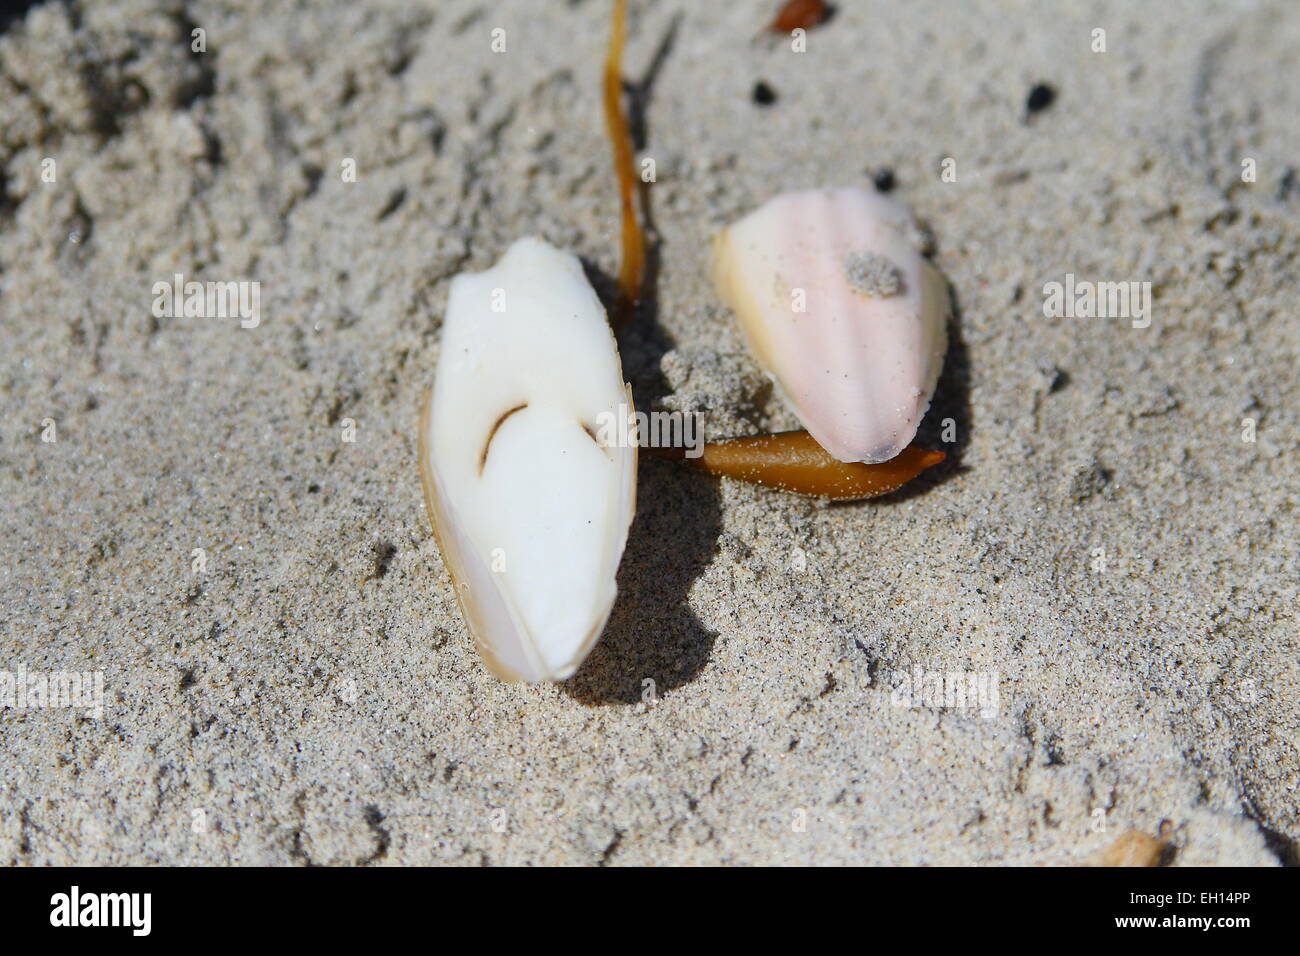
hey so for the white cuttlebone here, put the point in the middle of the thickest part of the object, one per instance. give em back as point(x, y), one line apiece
point(859, 367)
point(531, 534)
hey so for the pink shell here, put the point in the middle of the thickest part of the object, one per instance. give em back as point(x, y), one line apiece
point(843, 311)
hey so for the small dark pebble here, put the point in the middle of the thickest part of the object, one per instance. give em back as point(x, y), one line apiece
point(1040, 98)
point(884, 180)
point(764, 95)
point(1287, 186)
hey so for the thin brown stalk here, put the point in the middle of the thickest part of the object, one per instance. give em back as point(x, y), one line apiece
point(632, 268)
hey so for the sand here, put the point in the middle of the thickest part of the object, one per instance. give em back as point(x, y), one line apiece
point(1104, 546)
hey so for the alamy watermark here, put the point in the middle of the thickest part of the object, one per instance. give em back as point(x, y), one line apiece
point(23, 689)
point(622, 427)
point(208, 300)
point(1084, 299)
point(948, 690)
point(75, 908)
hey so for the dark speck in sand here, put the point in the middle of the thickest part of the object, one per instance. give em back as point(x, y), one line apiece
point(1040, 98)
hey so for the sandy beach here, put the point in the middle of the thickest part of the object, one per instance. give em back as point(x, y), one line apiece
point(1083, 622)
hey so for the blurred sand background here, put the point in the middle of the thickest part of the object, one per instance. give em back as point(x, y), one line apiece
point(313, 697)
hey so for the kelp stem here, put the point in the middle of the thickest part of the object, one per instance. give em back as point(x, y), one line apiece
point(632, 268)
point(794, 462)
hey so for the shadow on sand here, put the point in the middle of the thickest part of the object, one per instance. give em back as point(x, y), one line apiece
point(652, 634)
